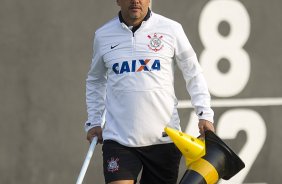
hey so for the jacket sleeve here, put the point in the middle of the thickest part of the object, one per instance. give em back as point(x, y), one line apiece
point(196, 86)
point(96, 89)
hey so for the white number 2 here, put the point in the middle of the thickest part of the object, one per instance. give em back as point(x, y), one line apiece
point(228, 127)
point(249, 121)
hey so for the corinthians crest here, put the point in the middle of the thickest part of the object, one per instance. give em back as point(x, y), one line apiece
point(113, 165)
point(155, 43)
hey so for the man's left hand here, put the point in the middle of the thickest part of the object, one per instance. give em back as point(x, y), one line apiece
point(205, 125)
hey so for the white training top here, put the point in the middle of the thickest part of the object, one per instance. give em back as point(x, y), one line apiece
point(132, 79)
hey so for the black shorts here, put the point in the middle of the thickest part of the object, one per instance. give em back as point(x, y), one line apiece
point(159, 163)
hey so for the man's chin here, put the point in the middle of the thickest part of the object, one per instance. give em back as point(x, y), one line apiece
point(134, 16)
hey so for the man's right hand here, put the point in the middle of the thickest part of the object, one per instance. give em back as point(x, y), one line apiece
point(93, 132)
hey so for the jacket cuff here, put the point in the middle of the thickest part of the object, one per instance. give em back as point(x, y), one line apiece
point(88, 125)
point(206, 114)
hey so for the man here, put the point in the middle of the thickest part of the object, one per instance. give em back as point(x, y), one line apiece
point(131, 80)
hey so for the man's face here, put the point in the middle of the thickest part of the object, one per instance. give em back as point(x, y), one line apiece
point(133, 9)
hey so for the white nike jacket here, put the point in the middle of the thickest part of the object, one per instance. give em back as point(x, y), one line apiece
point(131, 81)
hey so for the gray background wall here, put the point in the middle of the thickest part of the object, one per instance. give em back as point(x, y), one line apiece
point(45, 53)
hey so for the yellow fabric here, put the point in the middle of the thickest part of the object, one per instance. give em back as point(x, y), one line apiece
point(191, 147)
point(205, 169)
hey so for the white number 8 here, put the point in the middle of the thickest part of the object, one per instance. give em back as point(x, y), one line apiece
point(230, 47)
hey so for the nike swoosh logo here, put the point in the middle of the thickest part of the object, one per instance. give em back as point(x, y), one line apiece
point(112, 47)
